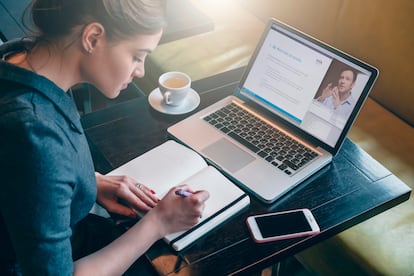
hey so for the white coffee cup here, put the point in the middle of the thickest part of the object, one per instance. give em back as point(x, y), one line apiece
point(174, 87)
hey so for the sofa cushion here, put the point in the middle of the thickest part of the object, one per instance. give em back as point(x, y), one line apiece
point(377, 31)
point(229, 46)
point(382, 245)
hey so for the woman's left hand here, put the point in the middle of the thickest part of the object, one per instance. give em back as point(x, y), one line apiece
point(134, 196)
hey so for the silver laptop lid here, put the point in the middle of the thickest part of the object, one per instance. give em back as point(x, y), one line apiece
point(306, 84)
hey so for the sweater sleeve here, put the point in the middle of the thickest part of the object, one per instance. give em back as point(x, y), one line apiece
point(36, 197)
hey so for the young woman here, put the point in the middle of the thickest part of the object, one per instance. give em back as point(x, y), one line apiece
point(48, 182)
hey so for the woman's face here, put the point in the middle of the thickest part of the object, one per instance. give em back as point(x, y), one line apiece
point(114, 65)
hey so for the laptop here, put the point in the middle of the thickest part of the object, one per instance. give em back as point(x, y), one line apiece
point(288, 117)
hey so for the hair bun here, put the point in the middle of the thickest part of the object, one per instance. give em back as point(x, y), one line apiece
point(121, 18)
point(49, 16)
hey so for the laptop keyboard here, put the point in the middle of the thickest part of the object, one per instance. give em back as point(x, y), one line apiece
point(273, 145)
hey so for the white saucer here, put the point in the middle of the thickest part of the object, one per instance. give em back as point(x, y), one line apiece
point(190, 103)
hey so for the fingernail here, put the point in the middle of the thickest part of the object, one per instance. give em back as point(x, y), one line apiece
point(133, 214)
point(153, 192)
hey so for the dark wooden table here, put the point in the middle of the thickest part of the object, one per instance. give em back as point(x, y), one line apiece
point(350, 190)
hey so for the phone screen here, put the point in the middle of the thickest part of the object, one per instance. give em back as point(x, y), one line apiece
point(283, 224)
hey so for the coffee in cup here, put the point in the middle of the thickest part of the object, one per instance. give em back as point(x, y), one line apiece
point(174, 87)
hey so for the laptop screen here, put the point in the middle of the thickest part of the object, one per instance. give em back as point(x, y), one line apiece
point(307, 83)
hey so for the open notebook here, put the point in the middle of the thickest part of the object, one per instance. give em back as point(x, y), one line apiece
point(171, 164)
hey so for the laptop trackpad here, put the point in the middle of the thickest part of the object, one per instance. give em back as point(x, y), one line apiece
point(227, 155)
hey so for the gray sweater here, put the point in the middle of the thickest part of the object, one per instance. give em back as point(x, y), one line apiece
point(47, 181)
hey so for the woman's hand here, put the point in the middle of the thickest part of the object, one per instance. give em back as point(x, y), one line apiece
point(176, 213)
point(112, 190)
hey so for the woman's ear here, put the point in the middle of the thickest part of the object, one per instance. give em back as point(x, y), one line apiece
point(93, 35)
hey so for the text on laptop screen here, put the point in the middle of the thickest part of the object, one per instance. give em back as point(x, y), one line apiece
point(305, 84)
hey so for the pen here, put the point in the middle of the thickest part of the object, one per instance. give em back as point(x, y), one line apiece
point(183, 193)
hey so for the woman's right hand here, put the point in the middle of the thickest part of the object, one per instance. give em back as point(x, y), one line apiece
point(176, 213)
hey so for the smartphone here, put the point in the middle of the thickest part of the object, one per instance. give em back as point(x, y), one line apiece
point(282, 225)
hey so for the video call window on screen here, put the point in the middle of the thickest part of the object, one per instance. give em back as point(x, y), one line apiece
point(293, 78)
